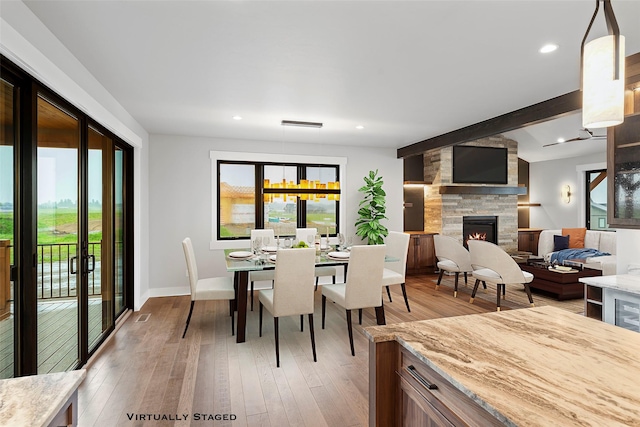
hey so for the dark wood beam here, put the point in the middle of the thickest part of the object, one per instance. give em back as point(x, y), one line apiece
point(537, 113)
point(531, 115)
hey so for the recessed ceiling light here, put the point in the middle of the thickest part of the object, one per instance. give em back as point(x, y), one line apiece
point(359, 127)
point(237, 118)
point(548, 48)
point(560, 139)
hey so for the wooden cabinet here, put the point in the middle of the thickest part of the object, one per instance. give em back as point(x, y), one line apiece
point(623, 173)
point(407, 392)
point(421, 257)
point(528, 239)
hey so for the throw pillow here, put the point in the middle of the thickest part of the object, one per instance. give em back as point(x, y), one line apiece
point(560, 243)
point(576, 236)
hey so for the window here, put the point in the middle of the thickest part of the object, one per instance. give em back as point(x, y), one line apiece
point(294, 192)
point(596, 200)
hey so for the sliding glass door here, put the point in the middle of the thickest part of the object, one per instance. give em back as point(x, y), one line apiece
point(65, 229)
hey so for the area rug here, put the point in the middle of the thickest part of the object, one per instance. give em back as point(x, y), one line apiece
point(515, 296)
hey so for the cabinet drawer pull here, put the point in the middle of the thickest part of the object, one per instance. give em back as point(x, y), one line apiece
point(414, 373)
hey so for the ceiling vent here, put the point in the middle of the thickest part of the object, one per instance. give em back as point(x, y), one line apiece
point(301, 124)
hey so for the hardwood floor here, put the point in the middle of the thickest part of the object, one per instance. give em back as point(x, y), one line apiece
point(148, 371)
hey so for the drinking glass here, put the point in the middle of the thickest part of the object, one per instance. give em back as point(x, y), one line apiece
point(257, 244)
point(311, 240)
point(287, 242)
point(266, 240)
point(349, 242)
point(341, 241)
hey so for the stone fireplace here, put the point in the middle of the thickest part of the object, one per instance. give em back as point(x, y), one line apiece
point(447, 204)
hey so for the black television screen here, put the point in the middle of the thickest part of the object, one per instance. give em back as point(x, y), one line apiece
point(479, 165)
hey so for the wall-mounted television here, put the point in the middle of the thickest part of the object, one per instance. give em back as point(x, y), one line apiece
point(479, 165)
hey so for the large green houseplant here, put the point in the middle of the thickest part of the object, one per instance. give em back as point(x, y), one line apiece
point(372, 210)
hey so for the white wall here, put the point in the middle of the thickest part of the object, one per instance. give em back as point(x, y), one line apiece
point(180, 198)
point(545, 183)
point(627, 248)
point(29, 44)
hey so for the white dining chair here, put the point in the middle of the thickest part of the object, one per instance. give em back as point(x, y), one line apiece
point(292, 293)
point(302, 234)
point(492, 264)
point(261, 275)
point(394, 272)
point(453, 258)
point(212, 288)
point(363, 285)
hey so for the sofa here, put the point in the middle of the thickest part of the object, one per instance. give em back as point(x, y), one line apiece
point(603, 241)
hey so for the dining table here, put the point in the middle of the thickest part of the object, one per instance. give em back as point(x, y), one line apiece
point(241, 261)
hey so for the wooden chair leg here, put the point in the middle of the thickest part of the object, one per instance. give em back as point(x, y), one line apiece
point(404, 293)
point(188, 319)
point(275, 329)
point(317, 278)
point(527, 289)
point(360, 316)
point(313, 337)
point(439, 279)
point(465, 278)
point(334, 280)
point(260, 317)
point(350, 329)
point(475, 289)
point(504, 291)
point(324, 309)
point(389, 294)
point(233, 331)
point(455, 285)
point(498, 297)
point(301, 323)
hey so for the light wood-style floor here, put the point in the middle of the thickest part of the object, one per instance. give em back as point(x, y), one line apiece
point(148, 371)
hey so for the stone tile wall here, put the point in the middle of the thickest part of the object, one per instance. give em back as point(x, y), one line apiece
point(443, 212)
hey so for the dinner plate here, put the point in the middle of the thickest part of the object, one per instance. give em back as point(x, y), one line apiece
point(338, 255)
point(269, 249)
point(240, 254)
point(272, 258)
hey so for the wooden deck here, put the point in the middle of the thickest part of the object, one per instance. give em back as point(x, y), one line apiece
point(148, 370)
point(57, 335)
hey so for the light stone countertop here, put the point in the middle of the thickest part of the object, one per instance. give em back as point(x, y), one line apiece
point(623, 282)
point(35, 400)
point(540, 366)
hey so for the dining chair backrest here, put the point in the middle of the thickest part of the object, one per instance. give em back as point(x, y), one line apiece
point(448, 248)
point(364, 276)
point(192, 268)
point(294, 283)
point(488, 255)
point(397, 244)
point(302, 234)
point(267, 232)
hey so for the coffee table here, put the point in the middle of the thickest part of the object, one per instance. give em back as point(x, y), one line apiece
point(564, 285)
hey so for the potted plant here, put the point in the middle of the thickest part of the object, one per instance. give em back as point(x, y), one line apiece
point(372, 210)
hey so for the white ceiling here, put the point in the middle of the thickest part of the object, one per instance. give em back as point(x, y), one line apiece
point(405, 70)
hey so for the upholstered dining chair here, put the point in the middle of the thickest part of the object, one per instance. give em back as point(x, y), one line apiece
point(302, 235)
point(492, 264)
point(394, 272)
point(453, 258)
point(292, 292)
point(213, 288)
point(261, 275)
point(362, 287)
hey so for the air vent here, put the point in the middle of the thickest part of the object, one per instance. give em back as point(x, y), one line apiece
point(301, 124)
point(143, 317)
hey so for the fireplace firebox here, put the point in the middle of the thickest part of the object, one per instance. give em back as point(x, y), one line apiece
point(480, 228)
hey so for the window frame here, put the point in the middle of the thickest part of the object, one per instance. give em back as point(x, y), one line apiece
point(587, 203)
point(260, 160)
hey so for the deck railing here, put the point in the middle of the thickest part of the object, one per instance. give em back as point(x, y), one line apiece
point(57, 263)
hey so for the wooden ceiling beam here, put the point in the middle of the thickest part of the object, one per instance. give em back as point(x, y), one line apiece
point(537, 113)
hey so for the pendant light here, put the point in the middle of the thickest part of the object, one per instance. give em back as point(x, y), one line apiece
point(602, 74)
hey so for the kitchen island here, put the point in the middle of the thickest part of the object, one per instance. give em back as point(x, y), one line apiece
point(539, 366)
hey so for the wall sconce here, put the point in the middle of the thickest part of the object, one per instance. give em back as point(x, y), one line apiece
point(602, 74)
point(565, 194)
